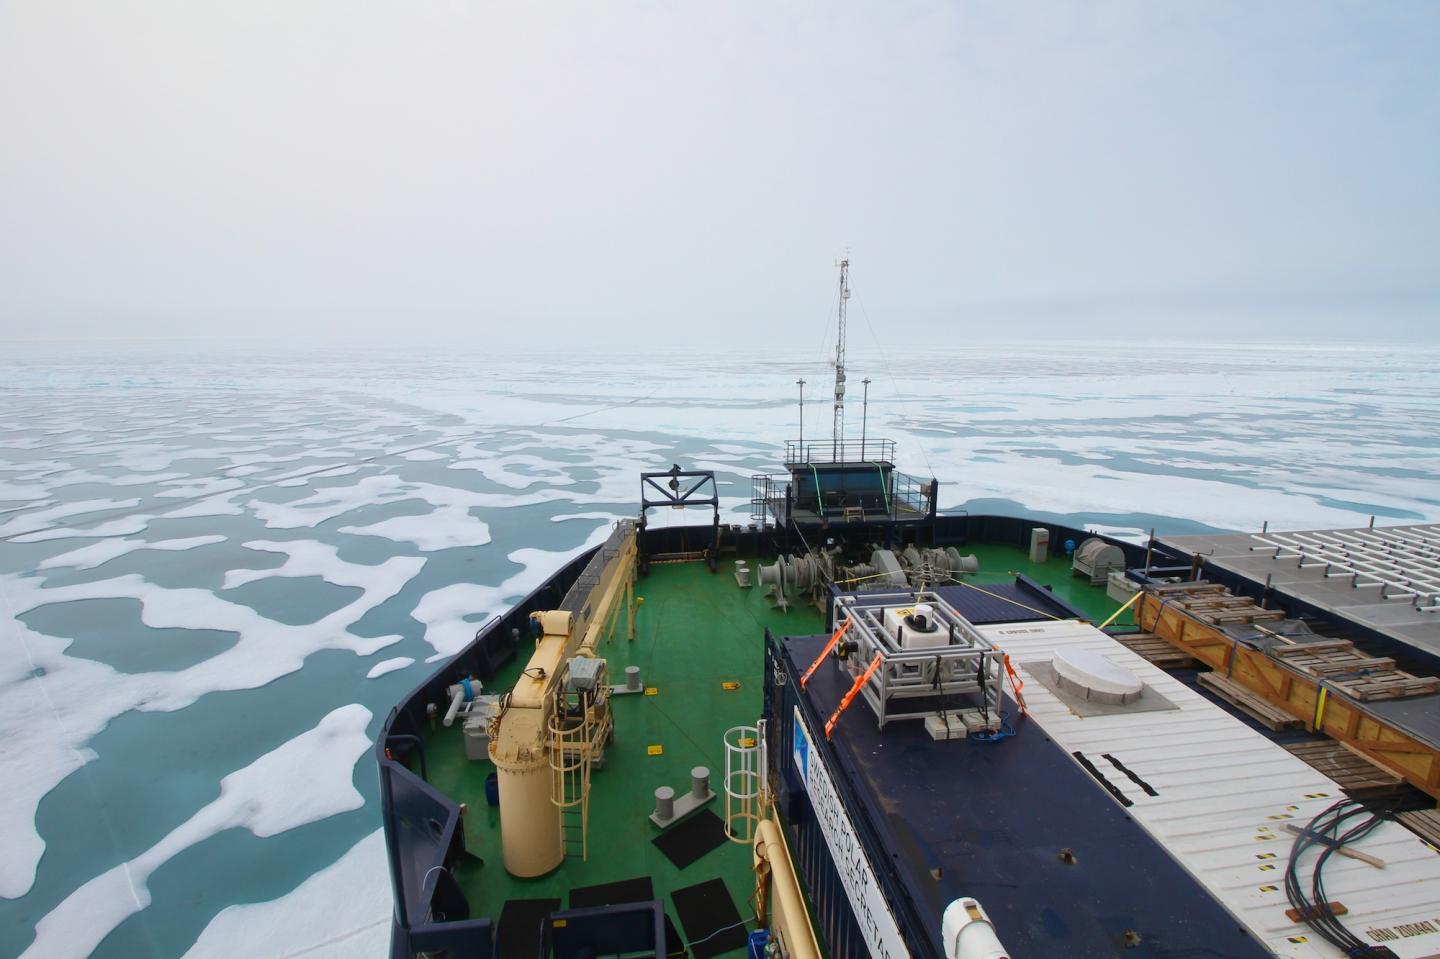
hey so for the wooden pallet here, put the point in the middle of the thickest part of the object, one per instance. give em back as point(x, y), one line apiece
point(1352, 772)
point(1397, 686)
point(1153, 649)
point(1358, 676)
point(1215, 605)
point(1269, 715)
point(1424, 823)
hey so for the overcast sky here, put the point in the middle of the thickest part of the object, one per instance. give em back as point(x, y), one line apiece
point(625, 173)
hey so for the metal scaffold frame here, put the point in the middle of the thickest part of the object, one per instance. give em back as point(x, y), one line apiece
point(1401, 563)
point(967, 665)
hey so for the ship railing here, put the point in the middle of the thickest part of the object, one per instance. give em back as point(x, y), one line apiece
point(868, 450)
point(911, 495)
point(904, 497)
point(767, 498)
point(915, 683)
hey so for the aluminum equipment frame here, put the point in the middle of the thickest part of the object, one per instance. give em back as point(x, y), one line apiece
point(968, 665)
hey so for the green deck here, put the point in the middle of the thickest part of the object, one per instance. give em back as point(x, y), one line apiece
point(694, 631)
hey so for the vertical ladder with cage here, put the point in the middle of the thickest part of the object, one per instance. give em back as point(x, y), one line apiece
point(570, 779)
point(743, 783)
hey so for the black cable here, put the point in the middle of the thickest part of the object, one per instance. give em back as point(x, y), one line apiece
point(1314, 908)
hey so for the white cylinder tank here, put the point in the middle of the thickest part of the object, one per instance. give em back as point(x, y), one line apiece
point(968, 933)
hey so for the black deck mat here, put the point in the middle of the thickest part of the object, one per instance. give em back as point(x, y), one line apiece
point(706, 909)
point(521, 923)
point(640, 889)
point(674, 945)
point(686, 842)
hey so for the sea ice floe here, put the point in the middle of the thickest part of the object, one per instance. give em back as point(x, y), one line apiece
point(308, 557)
point(497, 470)
point(443, 610)
point(44, 746)
point(23, 491)
point(122, 526)
point(330, 502)
point(443, 528)
point(222, 504)
point(302, 781)
point(192, 488)
point(35, 520)
point(97, 554)
point(422, 455)
point(388, 666)
point(352, 895)
point(607, 517)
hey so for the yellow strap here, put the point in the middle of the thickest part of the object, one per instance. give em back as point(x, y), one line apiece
point(1128, 603)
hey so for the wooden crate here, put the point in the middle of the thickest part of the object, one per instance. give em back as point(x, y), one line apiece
point(1265, 712)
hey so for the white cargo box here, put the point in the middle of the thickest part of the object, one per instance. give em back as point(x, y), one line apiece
point(1120, 587)
point(907, 635)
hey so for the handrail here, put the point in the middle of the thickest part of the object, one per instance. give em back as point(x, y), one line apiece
point(884, 492)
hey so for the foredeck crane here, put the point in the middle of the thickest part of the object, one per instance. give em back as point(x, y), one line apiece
point(542, 753)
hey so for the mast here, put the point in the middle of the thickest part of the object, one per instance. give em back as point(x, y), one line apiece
point(840, 362)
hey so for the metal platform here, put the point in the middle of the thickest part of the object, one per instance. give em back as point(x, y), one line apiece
point(1385, 579)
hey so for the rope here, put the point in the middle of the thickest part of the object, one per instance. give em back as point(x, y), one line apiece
point(1007, 599)
point(819, 496)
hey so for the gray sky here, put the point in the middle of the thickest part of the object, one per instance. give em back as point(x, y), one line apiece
point(612, 173)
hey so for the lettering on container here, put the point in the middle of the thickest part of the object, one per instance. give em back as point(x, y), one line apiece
point(1403, 930)
point(872, 912)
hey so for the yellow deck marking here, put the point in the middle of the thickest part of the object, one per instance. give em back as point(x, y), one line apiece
point(655, 750)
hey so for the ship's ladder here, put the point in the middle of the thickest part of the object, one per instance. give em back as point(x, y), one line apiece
point(570, 780)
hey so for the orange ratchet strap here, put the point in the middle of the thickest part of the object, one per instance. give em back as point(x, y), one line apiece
point(861, 681)
point(825, 652)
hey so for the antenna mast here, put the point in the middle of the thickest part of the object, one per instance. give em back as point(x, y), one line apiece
point(840, 361)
